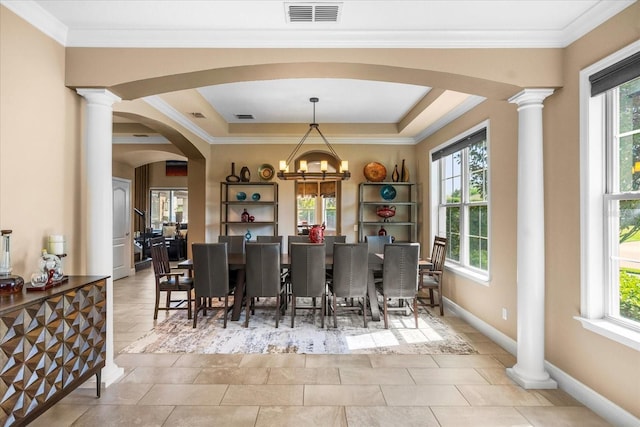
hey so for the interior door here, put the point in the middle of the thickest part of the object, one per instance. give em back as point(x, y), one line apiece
point(121, 228)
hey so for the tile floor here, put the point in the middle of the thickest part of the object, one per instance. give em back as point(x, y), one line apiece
point(310, 390)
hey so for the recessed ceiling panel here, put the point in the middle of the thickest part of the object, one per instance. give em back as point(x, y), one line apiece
point(287, 101)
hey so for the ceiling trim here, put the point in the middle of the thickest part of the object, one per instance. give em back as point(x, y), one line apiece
point(140, 141)
point(470, 103)
point(171, 38)
point(311, 141)
point(166, 109)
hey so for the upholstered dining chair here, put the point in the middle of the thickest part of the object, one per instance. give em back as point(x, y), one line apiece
point(235, 244)
point(210, 278)
point(270, 239)
point(168, 280)
point(297, 239)
point(400, 276)
point(308, 277)
point(375, 245)
point(350, 271)
point(431, 279)
point(330, 240)
point(262, 276)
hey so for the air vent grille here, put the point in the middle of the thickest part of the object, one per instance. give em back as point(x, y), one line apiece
point(313, 12)
point(197, 115)
point(244, 116)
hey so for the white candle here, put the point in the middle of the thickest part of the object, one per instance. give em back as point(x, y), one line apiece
point(56, 244)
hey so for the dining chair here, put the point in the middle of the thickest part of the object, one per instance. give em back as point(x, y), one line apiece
point(168, 280)
point(235, 244)
point(350, 272)
point(297, 239)
point(400, 276)
point(262, 276)
point(211, 277)
point(431, 279)
point(375, 244)
point(330, 240)
point(270, 239)
point(308, 277)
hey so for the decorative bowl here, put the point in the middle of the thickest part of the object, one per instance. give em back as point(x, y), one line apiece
point(266, 172)
point(375, 172)
point(388, 192)
point(255, 197)
point(241, 195)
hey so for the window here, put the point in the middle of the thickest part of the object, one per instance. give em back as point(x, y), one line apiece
point(316, 203)
point(169, 206)
point(610, 202)
point(461, 177)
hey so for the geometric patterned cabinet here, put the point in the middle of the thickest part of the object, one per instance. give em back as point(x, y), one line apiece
point(50, 343)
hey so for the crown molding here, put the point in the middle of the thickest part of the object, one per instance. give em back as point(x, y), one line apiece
point(31, 12)
point(470, 103)
point(140, 141)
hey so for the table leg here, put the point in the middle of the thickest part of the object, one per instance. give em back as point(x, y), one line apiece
point(238, 295)
point(373, 297)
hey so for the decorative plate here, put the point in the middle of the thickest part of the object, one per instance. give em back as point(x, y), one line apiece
point(255, 197)
point(388, 192)
point(375, 172)
point(266, 172)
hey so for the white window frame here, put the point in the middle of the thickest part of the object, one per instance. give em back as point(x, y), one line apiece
point(462, 268)
point(594, 247)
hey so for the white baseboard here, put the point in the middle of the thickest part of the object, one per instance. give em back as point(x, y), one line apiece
point(583, 394)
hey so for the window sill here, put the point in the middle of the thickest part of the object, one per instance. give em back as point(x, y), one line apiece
point(481, 279)
point(612, 331)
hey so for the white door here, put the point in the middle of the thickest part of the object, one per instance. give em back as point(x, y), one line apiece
point(121, 228)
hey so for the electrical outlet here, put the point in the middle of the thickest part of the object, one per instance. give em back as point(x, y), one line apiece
point(504, 314)
point(355, 227)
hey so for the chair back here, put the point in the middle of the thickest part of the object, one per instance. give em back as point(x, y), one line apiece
point(262, 269)
point(400, 270)
point(235, 244)
point(160, 256)
point(438, 253)
point(350, 269)
point(270, 239)
point(330, 240)
point(210, 270)
point(308, 275)
point(296, 239)
point(376, 243)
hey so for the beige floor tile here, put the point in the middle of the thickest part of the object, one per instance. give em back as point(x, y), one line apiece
point(495, 375)
point(273, 361)
point(375, 376)
point(158, 375)
point(555, 416)
point(303, 376)
point(209, 360)
point(184, 394)
point(507, 360)
point(464, 328)
point(264, 395)
point(480, 417)
point(295, 416)
point(501, 395)
point(338, 361)
point(451, 376)
point(466, 361)
point(343, 395)
point(115, 394)
point(379, 416)
point(145, 359)
point(124, 416)
point(488, 348)
point(60, 415)
point(559, 397)
point(232, 376)
point(402, 361)
point(474, 337)
point(423, 395)
point(207, 416)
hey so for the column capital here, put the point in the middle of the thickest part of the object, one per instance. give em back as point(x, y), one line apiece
point(530, 97)
point(99, 96)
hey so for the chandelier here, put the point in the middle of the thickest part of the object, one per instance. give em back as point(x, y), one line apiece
point(303, 172)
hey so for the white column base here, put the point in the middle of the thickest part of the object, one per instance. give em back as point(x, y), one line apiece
point(109, 375)
point(531, 383)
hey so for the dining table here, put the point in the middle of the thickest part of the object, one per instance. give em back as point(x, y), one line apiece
point(237, 262)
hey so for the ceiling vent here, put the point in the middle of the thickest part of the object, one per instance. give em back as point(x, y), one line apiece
point(313, 12)
point(197, 115)
point(244, 116)
point(140, 135)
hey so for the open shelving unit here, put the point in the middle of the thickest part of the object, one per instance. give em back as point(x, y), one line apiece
point(264, 210)
point(403, 226)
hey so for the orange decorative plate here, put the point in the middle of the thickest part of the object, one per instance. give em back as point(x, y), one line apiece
point(375, 172)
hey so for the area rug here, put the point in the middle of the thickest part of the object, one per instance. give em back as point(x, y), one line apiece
point(176, 335)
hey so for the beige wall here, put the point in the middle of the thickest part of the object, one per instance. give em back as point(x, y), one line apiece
point(40, 149)
point(159, 179)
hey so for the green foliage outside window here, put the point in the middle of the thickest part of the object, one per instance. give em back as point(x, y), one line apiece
point(629, 295)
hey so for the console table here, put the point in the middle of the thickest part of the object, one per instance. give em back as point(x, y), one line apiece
point(50, 343)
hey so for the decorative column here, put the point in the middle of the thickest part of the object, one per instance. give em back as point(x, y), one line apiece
point(529, 370)
point(97, 141)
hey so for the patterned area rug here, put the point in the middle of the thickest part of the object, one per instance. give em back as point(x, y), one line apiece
point(176, 334)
